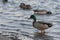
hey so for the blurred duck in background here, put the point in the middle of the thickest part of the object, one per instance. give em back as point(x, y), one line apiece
point(42, 12)
point(23, 6)
point(4, 1)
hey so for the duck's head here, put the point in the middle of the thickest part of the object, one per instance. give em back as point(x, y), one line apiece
point(33, 17)
point(22, 4)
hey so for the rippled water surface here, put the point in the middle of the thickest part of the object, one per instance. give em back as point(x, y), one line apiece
point(12, 18)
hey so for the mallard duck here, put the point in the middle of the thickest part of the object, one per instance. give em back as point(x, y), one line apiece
point(5, 1)
point(42, 12)
point(40, 25)
point(23, 6)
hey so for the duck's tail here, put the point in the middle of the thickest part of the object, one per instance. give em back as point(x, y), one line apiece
point(50, 25)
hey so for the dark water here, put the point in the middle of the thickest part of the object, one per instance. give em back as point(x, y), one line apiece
point(12, 18)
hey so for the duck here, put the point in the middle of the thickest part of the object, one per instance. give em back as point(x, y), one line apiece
point(40, 25)
point(24, 6)
point(42, 12)
point(4, 1)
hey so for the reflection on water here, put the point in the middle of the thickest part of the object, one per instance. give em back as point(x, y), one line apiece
point(39, 36)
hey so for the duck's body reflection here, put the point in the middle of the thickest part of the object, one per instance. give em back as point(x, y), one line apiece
point(39, 36)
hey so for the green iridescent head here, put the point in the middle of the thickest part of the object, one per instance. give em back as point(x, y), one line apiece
point(33, 17)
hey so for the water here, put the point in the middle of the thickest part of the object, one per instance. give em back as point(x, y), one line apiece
point(12, 18)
